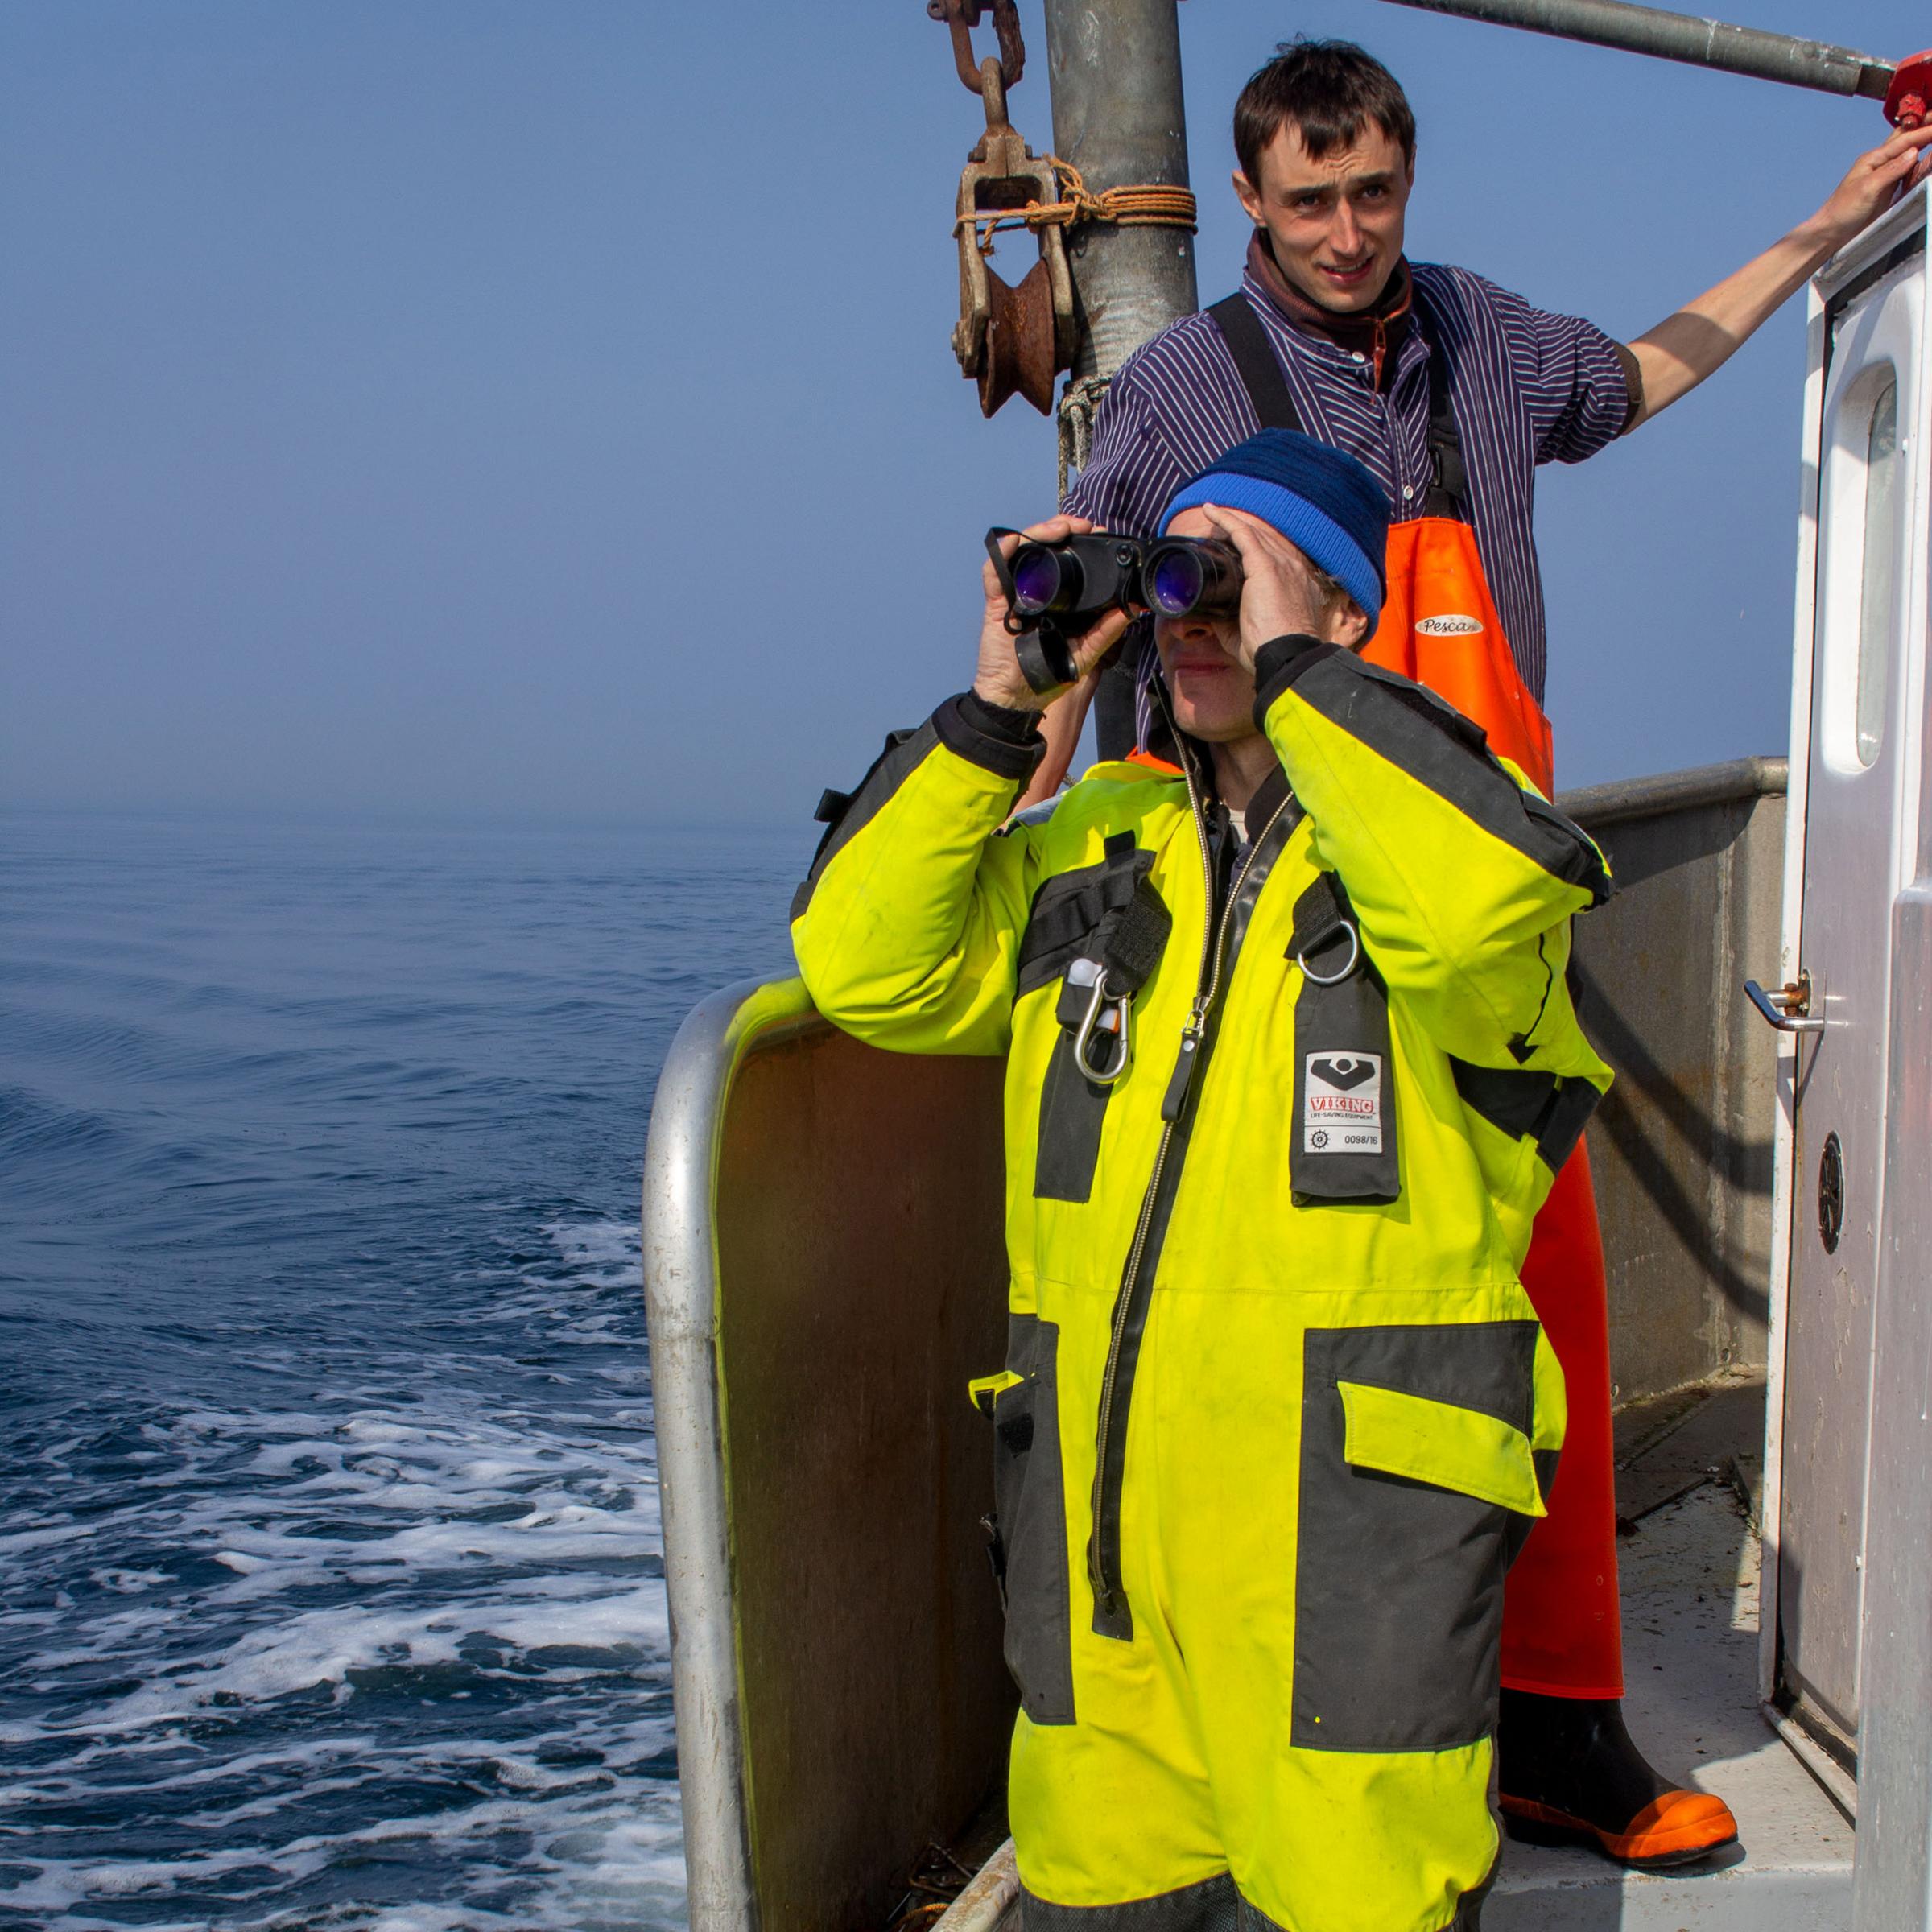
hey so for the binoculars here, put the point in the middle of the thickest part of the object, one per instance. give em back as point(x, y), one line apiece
point(1054, 592)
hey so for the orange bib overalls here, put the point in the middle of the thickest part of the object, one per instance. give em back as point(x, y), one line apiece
point(1562, 1633)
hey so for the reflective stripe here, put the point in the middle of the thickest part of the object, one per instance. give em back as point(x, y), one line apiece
point(1430, 741)
point(1213, 1906)
point(1542, 1107)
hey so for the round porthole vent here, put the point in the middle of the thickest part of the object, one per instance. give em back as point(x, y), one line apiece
point(1831, 1193)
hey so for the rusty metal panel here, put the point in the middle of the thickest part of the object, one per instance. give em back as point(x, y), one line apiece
point(1682, 1147)
point(825, 1271)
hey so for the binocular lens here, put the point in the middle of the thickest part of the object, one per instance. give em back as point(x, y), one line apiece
point(1182, 577)
point(1175, 582)
point(1044, 579)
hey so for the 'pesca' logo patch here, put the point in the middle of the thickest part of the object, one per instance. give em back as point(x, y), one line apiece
point(1449, 624)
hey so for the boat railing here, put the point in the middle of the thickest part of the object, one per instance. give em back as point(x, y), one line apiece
point(824, 1272)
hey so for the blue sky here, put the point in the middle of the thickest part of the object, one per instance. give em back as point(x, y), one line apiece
point(464, 407)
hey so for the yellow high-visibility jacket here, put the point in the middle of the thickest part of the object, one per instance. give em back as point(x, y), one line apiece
point(1276, 1411)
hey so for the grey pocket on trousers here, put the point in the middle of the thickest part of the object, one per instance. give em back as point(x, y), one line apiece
point(1398, 1592)
point(1029, 1495)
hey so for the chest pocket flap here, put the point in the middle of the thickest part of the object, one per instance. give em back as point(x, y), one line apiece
point(1072, 910)
point(1110, 915)
point(1439, 1443)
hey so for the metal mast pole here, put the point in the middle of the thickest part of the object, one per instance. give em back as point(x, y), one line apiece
point(1114, 67)
point(1649, 30)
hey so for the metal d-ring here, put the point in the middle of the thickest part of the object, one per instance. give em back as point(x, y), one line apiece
point(1333, 979)
point(1089, 1020)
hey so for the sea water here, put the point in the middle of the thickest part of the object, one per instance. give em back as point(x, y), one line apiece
point(331, 1590)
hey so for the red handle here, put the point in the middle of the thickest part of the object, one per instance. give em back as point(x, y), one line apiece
point(1907, 98)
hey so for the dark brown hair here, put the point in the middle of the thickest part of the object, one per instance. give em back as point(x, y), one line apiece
point(1328, 89)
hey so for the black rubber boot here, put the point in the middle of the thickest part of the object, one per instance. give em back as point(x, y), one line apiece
point(1570, 1775)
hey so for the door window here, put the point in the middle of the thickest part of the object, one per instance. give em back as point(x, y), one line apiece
point(1862, 488)
point(1878, 587)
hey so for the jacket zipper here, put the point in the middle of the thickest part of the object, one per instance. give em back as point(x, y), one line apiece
point(1103, 1576)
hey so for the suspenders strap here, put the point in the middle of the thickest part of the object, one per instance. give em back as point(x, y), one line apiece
point(1261, 372)
point(1448, 492)
point(1254, 357)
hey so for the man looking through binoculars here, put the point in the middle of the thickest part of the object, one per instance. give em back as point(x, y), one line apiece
point(1290, 1063)
point(1209, 685)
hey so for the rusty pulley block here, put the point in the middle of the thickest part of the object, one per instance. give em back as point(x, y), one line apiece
point(1010, 340)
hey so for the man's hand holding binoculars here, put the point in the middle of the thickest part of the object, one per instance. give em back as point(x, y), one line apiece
point(1060, 595)
point(1000, 680)
point(1280, 595)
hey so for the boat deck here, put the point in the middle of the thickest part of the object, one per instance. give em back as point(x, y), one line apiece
point(1687, 1484)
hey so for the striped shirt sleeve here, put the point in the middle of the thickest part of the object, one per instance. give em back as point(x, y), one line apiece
point(1571, 378)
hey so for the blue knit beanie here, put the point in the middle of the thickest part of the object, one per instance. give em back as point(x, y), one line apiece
point(1321, 499)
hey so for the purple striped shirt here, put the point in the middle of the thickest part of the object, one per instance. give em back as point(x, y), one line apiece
point(1529, 388)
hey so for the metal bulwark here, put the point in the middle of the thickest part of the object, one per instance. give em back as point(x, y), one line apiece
point(1681, 1149)
point(824, 1271)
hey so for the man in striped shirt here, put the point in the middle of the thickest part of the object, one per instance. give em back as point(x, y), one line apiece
point(1453, 391)
point(1326, 140)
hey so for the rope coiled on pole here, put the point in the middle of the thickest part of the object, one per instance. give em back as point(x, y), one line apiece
point(1142, 205)
point(1079, 411)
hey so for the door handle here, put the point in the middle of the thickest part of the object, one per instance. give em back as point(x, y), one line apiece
point(1789, 1009)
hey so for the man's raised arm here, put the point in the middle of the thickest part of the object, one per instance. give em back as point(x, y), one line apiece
point(1673, 357)
point(906, 926)
point(1462, 879)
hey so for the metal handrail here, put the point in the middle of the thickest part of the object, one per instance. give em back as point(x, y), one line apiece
point(681, 1290)
point(1650, 30)
point(1739, 782)
point(1788, 1008)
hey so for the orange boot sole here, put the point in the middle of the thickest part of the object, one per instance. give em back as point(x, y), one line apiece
point(1676, 1829)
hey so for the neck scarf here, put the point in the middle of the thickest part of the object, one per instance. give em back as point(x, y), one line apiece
point(1376, 332)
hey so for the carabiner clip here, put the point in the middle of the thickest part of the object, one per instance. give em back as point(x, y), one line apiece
point(1090, 1023)
point(1333, 979)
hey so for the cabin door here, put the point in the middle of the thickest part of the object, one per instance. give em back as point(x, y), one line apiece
point(1869, 624)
